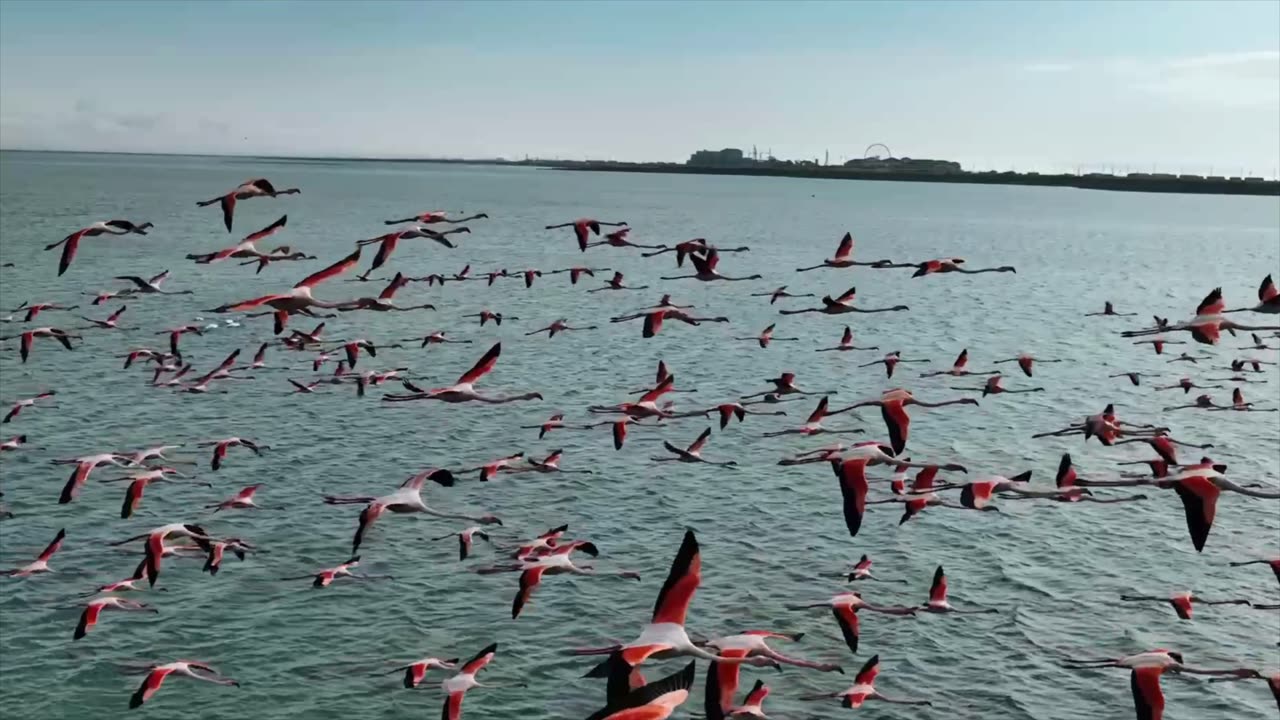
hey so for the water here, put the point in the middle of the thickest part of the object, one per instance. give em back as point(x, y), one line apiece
point(768, 533)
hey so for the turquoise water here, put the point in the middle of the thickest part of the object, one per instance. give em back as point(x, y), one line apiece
point(770, 535)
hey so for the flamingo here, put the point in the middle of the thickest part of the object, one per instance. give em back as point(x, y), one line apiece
point(541, 545)
point(654, 701)
point(1239, 405)
point(415, 671)
point(84, 466)
point(729, 410)
point(463, 390)
point(722, 680)
point(1274, 563)
point(752, 706)
point(780, 292)
point(890, 361)
point(30, 402)
point(766, 336)
point(646, 406)
point(94, 609)
point(689, 247)
point(258, 187)
point(1258, 344)
point(438, 338)
point(456, 687)
point(13, 443)
point(34, 309)
point(664, 636)
point(1025, 361)
point(1199, 486)
point(555, 422)
point(406, 499)
point(28, 339)
point(851, 472)
point(1109, 310)
point(41, 563)
point(615, 283)
point(846, 343)
point(385, 302)
point(490, 470)
point(842, 305)
point(950, 265)
point(653, 320)
point(556, 562)
point(862, 569)
point(575, 273)
point(1186, 385)
point(1158, 343)
point(582, 226)
point(843, 257)
point(151, 285)
point(1165, 446)
point(324, 578)
point(175, 334)
point(433, 217)
point(1272, 678)
point(101, 297)
point(246, 248)
point(813, 425)
point(387, 243)
point(138, 483)
point(863, 689)
point(561, 325)
point(958, 368)
point(938, 602)
point(220, 448)
point(893, 408)
point(465, 539)
point(784, 384)
point(693, 453)
point(705, 269)
point(1268, 300)
point(111, 323)
point(242, 500)
point(1207, 325)
point(156, 549)
point(1144, 678)
point(618, 238)
point(279, 254)
point(71, 243)
point(299, 299)
point(845, 606)
point(550, 464)
point(1134, 377)
point(1068, 490)
point(1182, 601)
point(189, 668)
point(994, 387)
point(496, 317)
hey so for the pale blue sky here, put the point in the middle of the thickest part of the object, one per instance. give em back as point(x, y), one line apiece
point(1184, 86)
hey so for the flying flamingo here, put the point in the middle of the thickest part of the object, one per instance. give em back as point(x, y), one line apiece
point(846, 343)
point(556, 562)
point(722, 680)
point(1239, 405)
point(220, 448)
point(582, 226)
point(13, 443)
point(1068, 490)
point(780, 292)
point(1165, 446)
point(653, 320)
point(561, 325)
point(863, 689)
point(151, 285)
point(765, 337)
point(653, 701)
point(575, 273)
point(94, 609)
point(299, 299)
point(1144, 679)
point(1025, 361)
point(893, 408)
point(41, 563)
point(101, 297)
point(385, 302)
point(1109, 310)
point(850, 470)
point(71, 243)
point(34, 309)
point(435, 216)
point(246, 248)
point(156, 549)
point(1207, 325)
point(705, 269)
point(1272, 677)
point(958, 368)
point(490, 470)
point(784, 384)
point(218, 550)
point(751, 707)
point(486, 316)
point(438, 338)
point(550, 464)
point(325, 577)
point(890, 361)
point(618, 238)
point(949, 265)
point(862, 569)
point(729, 410)
point(456, 687)
point(1268, 299)
point(813, 425)
point(842, 305)
point(406, 499)
point(415, 671)
point(689, 247)
point(464, 390)
point(1199, 487)
point(938, 602)
point(242, 500)
point(189, 668)
point(1158, 343)
point(843, 257)
point(1274, 563)
point(541, 545)
point(28, 338)
point(615, 283)
point(84, 466)
point(1186, 385)
point(994, 387)
point(465, 539)
point(1134, 377)
point(1258, 344)
point(555, 422)
point(111, 323)
point(693, 453)
point(664, 636)
point(138, 483)
point(1182, 601)
point(387, 243)
point(646, 406)
point(845, 607)
point(258, 187)
point(279, 254)
point(28, 403)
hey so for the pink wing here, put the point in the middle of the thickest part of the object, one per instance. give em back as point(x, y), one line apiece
point(483, 366)
point(332, 271)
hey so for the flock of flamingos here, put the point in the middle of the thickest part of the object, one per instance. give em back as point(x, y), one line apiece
point(1198, 482)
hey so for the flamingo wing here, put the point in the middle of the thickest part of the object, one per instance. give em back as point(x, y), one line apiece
point(1148, 699)
point(88, 619)
point(845, 250)
point(397, 282)
point(619, 434)
point(847, 297)
point(898, 423)
point(52, 547)
point(1200, 503)
point(650, 702)
point(870, 669)
point(1066, 473)
point(482, 658)
point(482, 366)
point(847, 618)
point(1267, 291)
point(663, 388)
point(696, 447)
point(653, 323)
point(722, 684)
point(269, 230)
point(938, 591)
point(853, 490)
point(150, 686)
point(529, 580)
point(1212, 304)
point(819, 412)
point(332, 271)
point(682, 582)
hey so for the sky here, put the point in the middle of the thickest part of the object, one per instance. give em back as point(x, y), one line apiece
point(1076, 86)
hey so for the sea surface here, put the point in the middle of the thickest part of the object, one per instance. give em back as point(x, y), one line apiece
point(769, 535)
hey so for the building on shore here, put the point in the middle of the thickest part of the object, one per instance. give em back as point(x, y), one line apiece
point(728, 157)
point(904, 165)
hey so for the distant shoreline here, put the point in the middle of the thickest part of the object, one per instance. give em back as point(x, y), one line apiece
point(1195, 185)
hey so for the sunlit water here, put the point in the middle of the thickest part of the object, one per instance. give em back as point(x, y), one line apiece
point(770, 535)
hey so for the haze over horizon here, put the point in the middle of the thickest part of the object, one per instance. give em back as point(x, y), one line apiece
point(1172, 87)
